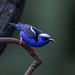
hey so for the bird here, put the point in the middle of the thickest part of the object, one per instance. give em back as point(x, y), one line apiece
point(32, 36)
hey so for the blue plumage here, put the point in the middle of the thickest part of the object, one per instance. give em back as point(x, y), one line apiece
point(32, 36)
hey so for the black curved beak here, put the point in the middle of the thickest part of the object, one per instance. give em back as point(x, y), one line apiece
point(51, 39)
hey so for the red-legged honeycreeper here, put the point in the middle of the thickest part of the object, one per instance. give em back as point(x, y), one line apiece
point(32, 36)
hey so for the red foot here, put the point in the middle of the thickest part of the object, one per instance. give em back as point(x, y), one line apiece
point(21, 41)
point(32, 52)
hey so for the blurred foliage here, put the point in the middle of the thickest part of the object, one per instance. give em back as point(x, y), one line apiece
point(57, 18)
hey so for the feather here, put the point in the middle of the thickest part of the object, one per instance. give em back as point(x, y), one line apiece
point(31, 31)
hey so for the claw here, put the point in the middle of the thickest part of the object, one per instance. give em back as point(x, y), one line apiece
point(32, 52)
point(21, 41)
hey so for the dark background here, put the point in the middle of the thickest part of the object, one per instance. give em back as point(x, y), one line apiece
point(57, 18)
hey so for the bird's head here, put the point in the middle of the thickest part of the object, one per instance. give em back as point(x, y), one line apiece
point(45, 38)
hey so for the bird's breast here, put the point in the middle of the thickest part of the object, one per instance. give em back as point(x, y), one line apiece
point(28, 40)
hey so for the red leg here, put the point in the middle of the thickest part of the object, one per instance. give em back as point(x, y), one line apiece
point(21, 40)
point(32, 52)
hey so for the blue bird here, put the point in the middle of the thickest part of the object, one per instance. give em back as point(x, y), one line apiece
point(32, 36)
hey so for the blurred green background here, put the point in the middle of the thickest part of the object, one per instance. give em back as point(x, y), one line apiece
point(57, 18)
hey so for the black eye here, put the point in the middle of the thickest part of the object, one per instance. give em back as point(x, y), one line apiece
point(44, 38)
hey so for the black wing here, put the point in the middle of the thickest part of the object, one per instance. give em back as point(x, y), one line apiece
point(27, 29)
